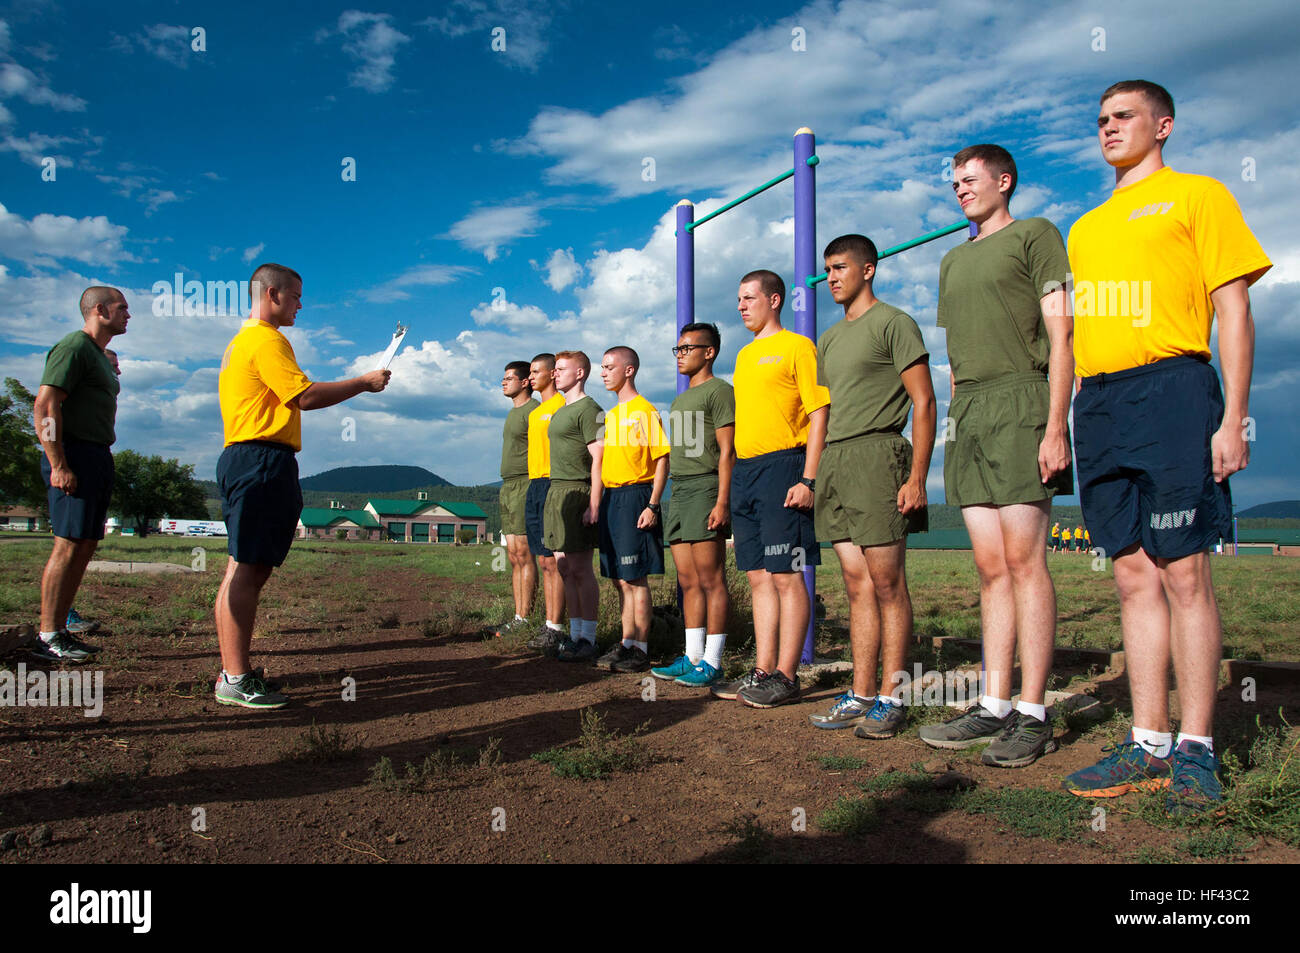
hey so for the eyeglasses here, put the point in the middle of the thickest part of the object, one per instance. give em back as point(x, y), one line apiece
point(687, 348)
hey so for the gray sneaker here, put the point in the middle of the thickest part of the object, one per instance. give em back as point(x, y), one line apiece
point(1022, 742)
point(615, 654)
point(579, 651)
point(883, 721)
point(248, 692)
point(974, 726)
point(632, 660)
point(547, 640)
point(774, 690)
point(508, 629)
point(846, 711)
point(730, 690)
point(64, 647)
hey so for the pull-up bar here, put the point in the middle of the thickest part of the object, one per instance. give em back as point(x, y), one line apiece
point(894, 250)
point(812, 160)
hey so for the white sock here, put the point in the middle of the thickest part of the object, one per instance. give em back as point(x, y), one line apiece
point(554, 625)
point(888, 701)
point(588, 630)
point(997, 707)
point(519, 618)
point(643, 646)
point(695, 645)
point(1158, 744)
point(1208, 742)
point(48, 637)
point(713, 647)
point(1038, 711)
point(232, 679)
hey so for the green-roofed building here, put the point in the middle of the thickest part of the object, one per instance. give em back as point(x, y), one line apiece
point(428, 521)
point(327, 522)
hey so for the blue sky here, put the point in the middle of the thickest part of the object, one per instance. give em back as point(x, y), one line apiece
point(522, 169)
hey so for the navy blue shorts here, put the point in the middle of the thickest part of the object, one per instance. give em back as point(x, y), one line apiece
point(81, 515)
point(260, 500)
point(625, 551)
point(768, 534)
point(1146, 473)
point(534, 505)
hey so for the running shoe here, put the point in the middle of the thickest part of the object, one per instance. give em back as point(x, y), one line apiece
point(730, 690)
point(1128, 767)
point(248, 691)
point(701, 676)
point(677, 669)
point(79, 626)
point(846, 711)
point(1194, 785)
point(1024, 740)
point(64, 647)
point(974, 726)
point(883, 721)
point(774, 690)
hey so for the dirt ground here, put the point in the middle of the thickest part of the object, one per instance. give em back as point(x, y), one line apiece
point(166, 774)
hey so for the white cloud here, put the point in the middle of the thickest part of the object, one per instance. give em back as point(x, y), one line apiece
point(487, 229)
point(251, 253)
point(90, 240)
point(418, 276)
point(527, 26)
point(372, 41)
point(562, 269)
point(16, 80)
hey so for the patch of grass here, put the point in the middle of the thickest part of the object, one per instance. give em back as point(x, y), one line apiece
point(457, 613)
point(1155, 855)
point(323, 743)
point(751, 842)
point(448, 761)
point(851, 816)
point(598, 752)
point(1032, 812)
point(382, 775)
point(1265, 799)
point(896, 780)
point(1217, 843)
point(835, 762)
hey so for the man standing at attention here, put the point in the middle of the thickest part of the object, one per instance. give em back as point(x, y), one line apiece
point(573, 501)
point(1002, 301)
point(872, 493)
point(703, 425)
point(1156, 438)
point(75, 413)
point(514, 490)
point(780, 432)
point(541, 376)
point(634, 471)
point(263, 393)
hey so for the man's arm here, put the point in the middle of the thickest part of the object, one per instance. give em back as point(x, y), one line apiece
point(916, 379)
point(1228, 446)
point(47, 415)
point(647, 519)
point(799, 496)
point(597, 450)
point(1054, 452)
point(321, 395)
point(720, 515)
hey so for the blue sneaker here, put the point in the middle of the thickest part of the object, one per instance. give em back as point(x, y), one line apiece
point(701, 676)
point(79, 626)
point(1195, 783)
point(676, 670)
point(846, 711)
point(883, 721)
point(1128, 767)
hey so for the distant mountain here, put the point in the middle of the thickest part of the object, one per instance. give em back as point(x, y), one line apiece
point(1282, 510)
point(372, 480)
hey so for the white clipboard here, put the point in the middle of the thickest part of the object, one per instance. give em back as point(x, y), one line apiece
point(393, 345)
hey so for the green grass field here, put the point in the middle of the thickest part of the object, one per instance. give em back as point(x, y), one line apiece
point(1259, 596)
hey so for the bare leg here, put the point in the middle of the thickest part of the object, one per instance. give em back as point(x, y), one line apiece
point(552, 589)
point(1144, 619)
point(767, 615)
point(793, 596)
point(997, 599)
point(62, 578)
point(885, 564)
point(1196, 638)
point(236, 611)
point(710, 559)
point(864, 618)
point(1023, 526)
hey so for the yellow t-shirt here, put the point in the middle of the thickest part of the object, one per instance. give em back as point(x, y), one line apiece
point(1144, 263)
point(634, 439)
point(1056, 529)
point(259, 382)
point(1066, 535)
point(776, 389)
point(539, 445)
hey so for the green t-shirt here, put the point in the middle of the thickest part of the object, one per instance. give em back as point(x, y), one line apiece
point(80, 368)
point(514, 440)
point(574, 426)
point(989, 300)
point(860, 362)
point(693, 421)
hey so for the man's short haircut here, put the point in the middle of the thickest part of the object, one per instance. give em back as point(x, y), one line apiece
point(547, 358)
point(521, 370)
point(770, 283)
point(270, 275)
point(710, 332)
point(996, 159)
point(1157, 97)
point(627, 355)
point(859, 247)
point(96, 295)
point(583, 360)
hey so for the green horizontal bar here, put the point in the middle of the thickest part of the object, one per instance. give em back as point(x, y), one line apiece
point(927, 237)
point(734, 202)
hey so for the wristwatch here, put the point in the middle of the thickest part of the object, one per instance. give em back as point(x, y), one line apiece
point(653, 508)
point(811, 484)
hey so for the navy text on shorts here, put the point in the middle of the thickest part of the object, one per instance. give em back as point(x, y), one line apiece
point(768, 534)
point(627, 552)
point(1146, 474)
point(261, 500)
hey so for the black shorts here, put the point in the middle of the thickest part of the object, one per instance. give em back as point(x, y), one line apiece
point(260, 500)
point(81, 515)
point(534, 506)
point(1146, 474)
point(627, 552)
point(768, 534)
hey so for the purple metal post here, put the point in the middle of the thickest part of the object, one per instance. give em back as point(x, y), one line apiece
point(803, 300)
point(685, 274)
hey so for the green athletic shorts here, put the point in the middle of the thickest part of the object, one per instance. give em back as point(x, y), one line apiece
point(692, 499)
point(856, 498)
point(566, 501)
point(991, 451)
point(513, 492)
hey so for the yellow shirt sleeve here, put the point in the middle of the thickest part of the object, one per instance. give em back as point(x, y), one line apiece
point(812, 395)
point(278, 368)
point(1225, 245)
